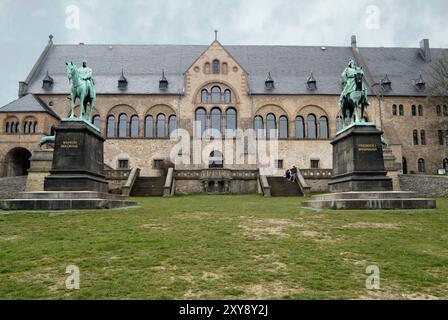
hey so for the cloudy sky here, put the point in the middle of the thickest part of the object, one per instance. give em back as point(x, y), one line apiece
point(26, 25)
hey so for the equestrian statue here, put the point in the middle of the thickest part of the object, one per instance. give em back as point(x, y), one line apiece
point(353, 99)
point(82, 87)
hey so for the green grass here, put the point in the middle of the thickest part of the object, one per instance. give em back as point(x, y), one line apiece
point(224, 247)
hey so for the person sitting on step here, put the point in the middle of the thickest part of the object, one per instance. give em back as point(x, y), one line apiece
point(293, 172)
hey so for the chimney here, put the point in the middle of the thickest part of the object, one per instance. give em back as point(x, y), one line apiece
point(23, 88)
point(354, 44)
point(425, 51)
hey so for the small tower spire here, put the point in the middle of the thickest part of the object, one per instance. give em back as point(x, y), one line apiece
point(216, 35)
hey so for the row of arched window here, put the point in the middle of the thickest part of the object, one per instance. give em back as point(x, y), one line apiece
point(440, 108)
point(13, 127)
point(216, 67)
point(421, 165)
point(158, 127)
point(216, 96)
point(415, 137)
point(203, 122)
point(415, 110)
point(309, 130)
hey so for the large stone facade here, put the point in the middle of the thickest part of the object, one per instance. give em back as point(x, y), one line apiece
point(133, 146)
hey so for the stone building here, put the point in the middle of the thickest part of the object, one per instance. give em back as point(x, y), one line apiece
point(285, 93)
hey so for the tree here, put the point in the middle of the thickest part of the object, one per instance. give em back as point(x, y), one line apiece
point(437, 88)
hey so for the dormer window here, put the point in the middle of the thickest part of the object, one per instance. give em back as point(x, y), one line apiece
point(163, 83)
point(269, 83)
point(420, 83)
point(216, 68)
point(386, 84)
point(47, 83)
point(122, 81)
point(311, 82)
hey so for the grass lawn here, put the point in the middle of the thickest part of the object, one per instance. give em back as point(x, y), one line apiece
point(224, 247)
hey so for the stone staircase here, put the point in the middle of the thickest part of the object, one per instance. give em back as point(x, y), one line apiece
point(148, 187)
point(65, 200)
point(370, 200)
point(280, 187)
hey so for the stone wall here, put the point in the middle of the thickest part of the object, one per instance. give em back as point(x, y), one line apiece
point(434, 186)
point(11, 186)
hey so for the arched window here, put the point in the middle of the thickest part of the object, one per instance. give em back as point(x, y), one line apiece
point(123, 126)
point(149, 127)
point(35, 127)
point(421, 165)
point(172, 124)
point(312, 127)
point(96, 120)
point(271, 126)
point(401, 110)
point(283, 127)
point(134, 126)
point(204, 96)
point(216, 66)
point(230, 122)
point(404, 165)
point(445, 164)
point(25, 127)
point(110, 126)
point(438, 110)
point(415, 137)
point(215, 121)
point(17, 130)
point(207, 67)
point(7, 127)
point(161, 131)
point(201, 122)
point(339, 123)
point(394, 109)
point(227, 96)
point(414, 110)
point(300, 128)
point(422, 137)
point(52, 131)
point(445, 110)
point(216, 94)
point(225, 68)
point(258, 126)
point(420, 110)
point(323, 128)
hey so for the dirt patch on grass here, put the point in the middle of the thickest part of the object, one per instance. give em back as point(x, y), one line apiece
point(259, 229)
point(196, 215)
point(317, 236)
point(270, 262)
point(372, 225)
point(153, 226)
point(10, 238)
point(385, 294)
point(210, 276)
point(269, 290)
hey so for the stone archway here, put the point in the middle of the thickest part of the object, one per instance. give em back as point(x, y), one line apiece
point(17, 162)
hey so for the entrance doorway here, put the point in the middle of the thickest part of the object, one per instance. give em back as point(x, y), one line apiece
point(17, 162)
point(405, 166)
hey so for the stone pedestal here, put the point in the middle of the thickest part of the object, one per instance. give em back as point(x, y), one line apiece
point(77, 159)
point(358, 163)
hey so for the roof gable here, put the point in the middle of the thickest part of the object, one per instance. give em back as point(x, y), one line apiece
point(28, 103)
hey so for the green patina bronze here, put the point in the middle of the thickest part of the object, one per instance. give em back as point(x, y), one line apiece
point(353, 99)
point(82, 87)
point(45, 140)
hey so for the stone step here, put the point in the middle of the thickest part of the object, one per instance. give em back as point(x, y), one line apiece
point(280, 187)
point(367, 195)
point(63, 204)
point(69, 195)
point(148, 187)
point(372, 204)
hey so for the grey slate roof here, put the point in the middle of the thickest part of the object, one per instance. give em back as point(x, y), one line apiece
point(28, 103)
point(402, 65)
point(290, 67)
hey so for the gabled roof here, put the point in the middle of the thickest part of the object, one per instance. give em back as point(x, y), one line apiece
point(28, 103)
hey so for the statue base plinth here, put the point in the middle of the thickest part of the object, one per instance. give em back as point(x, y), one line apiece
point(358, 163)
point(78, 159)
